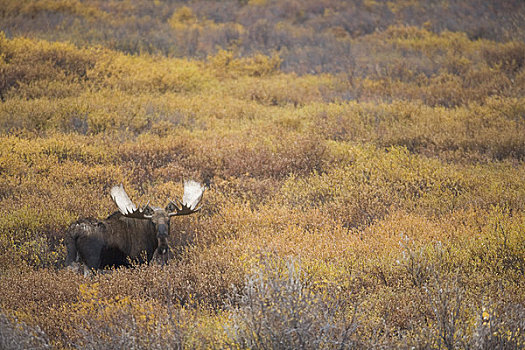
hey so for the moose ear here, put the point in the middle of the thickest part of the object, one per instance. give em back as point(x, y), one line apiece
point(171, 207)
point(148, 211)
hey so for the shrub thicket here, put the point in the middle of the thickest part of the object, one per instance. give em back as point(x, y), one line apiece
point(365, 163)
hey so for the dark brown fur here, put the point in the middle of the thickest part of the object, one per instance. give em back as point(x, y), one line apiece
point(115, 241)
point(162, 253)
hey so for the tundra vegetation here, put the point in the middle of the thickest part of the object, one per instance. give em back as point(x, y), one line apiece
point(365, 162)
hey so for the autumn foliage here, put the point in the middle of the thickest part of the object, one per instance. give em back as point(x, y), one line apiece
point(364, 162)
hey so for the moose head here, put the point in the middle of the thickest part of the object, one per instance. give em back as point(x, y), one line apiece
point(160, 217)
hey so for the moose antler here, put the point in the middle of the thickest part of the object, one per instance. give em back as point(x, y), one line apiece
point(126, 206)
point(192, 196)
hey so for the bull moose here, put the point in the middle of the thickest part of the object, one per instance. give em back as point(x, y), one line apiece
point(132, 234)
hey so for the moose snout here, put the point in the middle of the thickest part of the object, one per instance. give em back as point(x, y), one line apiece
point(162, 231)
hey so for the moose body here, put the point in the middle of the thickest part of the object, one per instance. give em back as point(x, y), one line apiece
point(129, 235)
point(113, 242)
